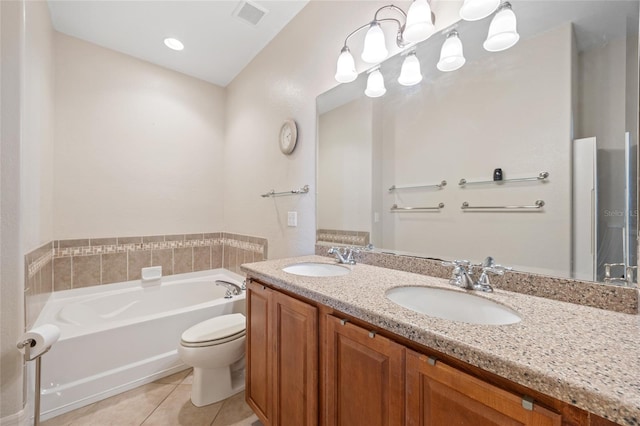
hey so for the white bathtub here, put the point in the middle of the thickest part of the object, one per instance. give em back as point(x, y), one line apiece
point(118, 336)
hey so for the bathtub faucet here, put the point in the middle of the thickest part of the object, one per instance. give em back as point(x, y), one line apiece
point(232, 288)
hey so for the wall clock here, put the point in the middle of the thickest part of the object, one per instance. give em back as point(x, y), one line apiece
point(288, 136)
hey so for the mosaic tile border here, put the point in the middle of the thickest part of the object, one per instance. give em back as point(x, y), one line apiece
point(122, 248)
point(337, 236)
point(36, 265)
point(597, 295)
point(91, 250)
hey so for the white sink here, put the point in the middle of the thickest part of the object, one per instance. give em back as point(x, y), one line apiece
point(453, 305)
point(315, 269)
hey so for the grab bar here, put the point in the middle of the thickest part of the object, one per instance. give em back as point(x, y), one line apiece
point(273, 193)
point(538, 205)
point(395, 208)
point(438, 185)
point(541, 177)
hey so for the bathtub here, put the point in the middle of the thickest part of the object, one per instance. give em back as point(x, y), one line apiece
point(119, 336)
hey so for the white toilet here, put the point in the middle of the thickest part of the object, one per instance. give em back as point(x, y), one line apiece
point(215, 350)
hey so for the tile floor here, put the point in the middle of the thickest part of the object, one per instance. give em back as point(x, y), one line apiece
point(164, 402)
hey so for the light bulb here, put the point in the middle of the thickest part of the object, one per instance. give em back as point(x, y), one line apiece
point(375, 49)
point(503, 32)
point(474, 10)
point(410, 72)
point(419, 25)
point(451, 54)
point(346, 67)
point(375, 84)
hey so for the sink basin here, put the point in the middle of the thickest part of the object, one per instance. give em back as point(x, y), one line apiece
point(313, 269)
point(453, 305)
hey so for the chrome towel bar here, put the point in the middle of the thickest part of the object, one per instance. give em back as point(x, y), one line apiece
point(273, 193)
point(538, 205)
point(542, 176)
point(438, 185)
point(395, 208)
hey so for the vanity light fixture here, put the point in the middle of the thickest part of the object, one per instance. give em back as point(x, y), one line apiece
point(451, 54)
point(346, 68)
point(503, 32)
point(418, 26)
point(375, 49)
point(414, 26)
point(173, 43)
point(474, 10)
point(410, 72)
point(375, 84)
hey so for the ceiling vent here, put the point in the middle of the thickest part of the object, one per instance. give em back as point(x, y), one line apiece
point(249, 12)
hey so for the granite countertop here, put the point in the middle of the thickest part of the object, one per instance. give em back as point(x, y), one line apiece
point(585, 356)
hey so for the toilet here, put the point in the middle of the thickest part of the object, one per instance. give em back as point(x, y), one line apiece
point(215, 350)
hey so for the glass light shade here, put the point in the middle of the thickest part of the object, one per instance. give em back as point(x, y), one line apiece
point(410, 72)
point(451, 54)
point(375, 49)
point(346, 67)
point(375, 85)
point(419, 25)
point(503, 33)
point(474, 10)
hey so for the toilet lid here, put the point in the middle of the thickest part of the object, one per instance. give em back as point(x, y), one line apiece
point(216, 328)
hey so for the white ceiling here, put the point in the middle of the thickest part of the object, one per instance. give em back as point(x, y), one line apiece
point(218, 45)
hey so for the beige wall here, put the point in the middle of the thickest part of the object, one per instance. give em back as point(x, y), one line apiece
point(38, 129)
point(27, 164)
point(283, 81)
point(11, 287)
point(139, 148)
point(345, 156)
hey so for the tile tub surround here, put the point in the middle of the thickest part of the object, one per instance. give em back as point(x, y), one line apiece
point(65, 264)
point(89, 262)
point(581, 355)
point(597, 295)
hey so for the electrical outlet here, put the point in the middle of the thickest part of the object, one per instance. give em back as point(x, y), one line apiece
point(292, 218)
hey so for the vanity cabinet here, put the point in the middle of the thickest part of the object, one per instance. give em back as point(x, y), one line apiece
point(438, 394)
point(363, 376)
point(282, 357)
point(372, 377)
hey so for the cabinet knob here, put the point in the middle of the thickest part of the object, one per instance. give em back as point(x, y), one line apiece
point(344, 321)
point(372, 334)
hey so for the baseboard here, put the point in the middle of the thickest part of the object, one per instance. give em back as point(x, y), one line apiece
point(21, 418)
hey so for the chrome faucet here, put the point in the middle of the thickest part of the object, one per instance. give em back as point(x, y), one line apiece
point(463, 270)
point(345, 255)
point(232, 288)
point(461, 275)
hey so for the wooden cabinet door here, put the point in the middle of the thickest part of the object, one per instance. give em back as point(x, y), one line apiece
point(363, 377)
point(295, 362)
point(259, 383)
point(441, 395)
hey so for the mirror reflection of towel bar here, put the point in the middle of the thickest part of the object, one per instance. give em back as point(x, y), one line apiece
point(538, 205)
point(542, 176)
point(439, 186)
point(395, 208)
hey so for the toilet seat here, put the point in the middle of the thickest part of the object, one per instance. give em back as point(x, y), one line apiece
point(215, 331)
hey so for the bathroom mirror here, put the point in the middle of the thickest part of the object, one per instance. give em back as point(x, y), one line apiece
point(558, 115)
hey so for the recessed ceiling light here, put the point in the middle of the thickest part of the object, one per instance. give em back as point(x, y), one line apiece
point(173, 43)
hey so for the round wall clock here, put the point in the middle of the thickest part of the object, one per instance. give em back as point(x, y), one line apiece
point(288, 136)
